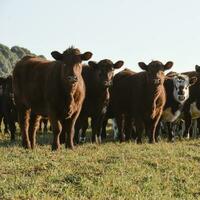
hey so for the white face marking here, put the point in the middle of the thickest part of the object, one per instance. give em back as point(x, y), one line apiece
point(195, 112)
point(168, 116)
point(181, 81)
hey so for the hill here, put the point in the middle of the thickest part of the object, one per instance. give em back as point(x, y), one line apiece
point(9, 57)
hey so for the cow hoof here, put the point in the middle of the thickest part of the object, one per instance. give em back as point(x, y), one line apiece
point(172, 140)
point(26, 145)
point(70, 147)
point(139, 141)
point(55, 147)
point(152, 142)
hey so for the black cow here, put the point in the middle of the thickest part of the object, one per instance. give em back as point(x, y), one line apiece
point(177, 93)
point(192, 106)
point(98, 78)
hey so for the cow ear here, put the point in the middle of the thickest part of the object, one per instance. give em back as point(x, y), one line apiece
point(56, 55)
point(168, 65)
point(142, 65)
point(197, 68)
point(93, 64)
point(86, 56)
point(193, 80)
point(118, 64)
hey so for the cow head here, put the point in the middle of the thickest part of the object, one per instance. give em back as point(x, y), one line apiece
point(71, 60)
point(181, 84)
point(104, 71)
point(197, 68)
point(155, 71)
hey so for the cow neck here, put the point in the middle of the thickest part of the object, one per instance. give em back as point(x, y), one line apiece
point(155, 96)
point(151, 90)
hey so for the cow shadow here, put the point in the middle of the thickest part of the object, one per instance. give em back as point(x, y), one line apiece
point(41, 139)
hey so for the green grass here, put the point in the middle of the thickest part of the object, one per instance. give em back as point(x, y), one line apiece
point(108, 171)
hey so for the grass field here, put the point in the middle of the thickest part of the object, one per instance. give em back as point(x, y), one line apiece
point(109, 171)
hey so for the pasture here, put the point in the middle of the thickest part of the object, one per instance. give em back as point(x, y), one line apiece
point(108, 171)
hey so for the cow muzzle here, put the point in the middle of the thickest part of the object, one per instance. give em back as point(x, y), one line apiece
point(181, 97)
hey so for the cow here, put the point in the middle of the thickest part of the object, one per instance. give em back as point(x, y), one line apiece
point(7, 106)
point(110, 114)
point(49, 88)
point(177, 93)
point(192, 106)
point(140, 97)
point(98, 79)
point(2, 88)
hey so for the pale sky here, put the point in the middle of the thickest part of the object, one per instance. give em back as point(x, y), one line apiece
point(129, 30)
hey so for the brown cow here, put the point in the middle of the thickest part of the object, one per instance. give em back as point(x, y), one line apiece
point(140, 97)
point(50, 88)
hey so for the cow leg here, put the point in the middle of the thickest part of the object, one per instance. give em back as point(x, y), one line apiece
point(9, 119)
point(70, 127)
point(188, 125)
point(198, 127)
point(34, 123)
point(96, 125)
point(120, 125)
point(24, 116)
point(43, 121)
point(151, 125)
point(57, 128)
point(103, 131)
point(80, 129)
point(5, 121)
point(115, 129)
point(40, 125)
point(157, 133)
point(63, 132)
point(77, 131)
point(139, 130)
point(149, 131)
point(171, 134)
point(95, 129)
point(1, 120)
point(128, 128)
point(83, 130)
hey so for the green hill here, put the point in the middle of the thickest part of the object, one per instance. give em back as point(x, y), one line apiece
point(9, 57)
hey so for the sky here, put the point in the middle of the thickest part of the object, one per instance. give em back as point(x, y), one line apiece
point(129, 30)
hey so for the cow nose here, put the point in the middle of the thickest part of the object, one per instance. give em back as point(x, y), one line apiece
point(72, 79)
point(181, 92)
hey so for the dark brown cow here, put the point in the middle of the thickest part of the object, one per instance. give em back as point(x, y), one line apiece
point(98, 78)
point(49, 88)
point(140, 97)
point(109, 114)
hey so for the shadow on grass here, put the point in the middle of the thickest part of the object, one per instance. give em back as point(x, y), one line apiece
point(41, 139)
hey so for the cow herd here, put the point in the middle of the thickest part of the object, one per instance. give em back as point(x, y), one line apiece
point(68, 93)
